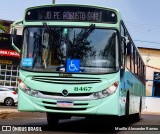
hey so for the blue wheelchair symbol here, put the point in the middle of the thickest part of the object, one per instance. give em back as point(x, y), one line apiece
point(73, 65)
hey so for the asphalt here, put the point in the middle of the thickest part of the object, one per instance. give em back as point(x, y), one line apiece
point(14, 110)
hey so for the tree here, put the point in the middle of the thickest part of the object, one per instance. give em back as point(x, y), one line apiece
point(4, 28)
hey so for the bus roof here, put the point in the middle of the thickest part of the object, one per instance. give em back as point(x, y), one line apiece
point(81, 5)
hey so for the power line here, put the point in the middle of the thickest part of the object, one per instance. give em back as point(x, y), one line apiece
point(150, 33)
point(144, 27)
point(147, 41)
point(148, 25)
point(149, 30)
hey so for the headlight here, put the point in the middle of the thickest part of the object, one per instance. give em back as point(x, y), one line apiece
point(34, 93)
point(106, 92)
point(27, 89)
point(96, 95)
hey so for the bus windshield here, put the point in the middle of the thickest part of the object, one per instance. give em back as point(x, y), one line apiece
point(49, 47)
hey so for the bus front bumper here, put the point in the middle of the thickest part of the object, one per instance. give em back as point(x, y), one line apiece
point(105, 106)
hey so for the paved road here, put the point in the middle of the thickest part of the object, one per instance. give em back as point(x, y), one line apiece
point(77, 125)
point(12, 107)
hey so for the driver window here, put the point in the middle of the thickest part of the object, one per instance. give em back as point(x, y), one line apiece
point(122, 46)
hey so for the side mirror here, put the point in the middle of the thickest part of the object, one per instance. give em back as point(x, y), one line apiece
point(129, 48)
point(125, 40)
point(127, 45)
point(14, 34)
point(14, 40)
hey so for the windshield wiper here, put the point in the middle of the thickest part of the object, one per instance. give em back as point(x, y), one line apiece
point(54, 40)
point(50, 32)
point(85, 33)
point(79, 41)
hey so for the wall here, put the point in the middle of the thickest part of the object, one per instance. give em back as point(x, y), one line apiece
point(152, 105)
point(151, 58)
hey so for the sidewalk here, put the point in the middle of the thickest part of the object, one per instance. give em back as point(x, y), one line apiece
point(151, 113)
point(4, 112)
point(7, 110)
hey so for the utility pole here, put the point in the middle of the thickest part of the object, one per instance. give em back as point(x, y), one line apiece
point(53, 1)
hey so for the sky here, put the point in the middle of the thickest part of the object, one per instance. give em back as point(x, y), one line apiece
point(141, 17)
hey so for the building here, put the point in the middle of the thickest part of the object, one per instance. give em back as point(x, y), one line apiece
point(9, 58)
point(151, 57)
point(7, 24)
point(9, 62)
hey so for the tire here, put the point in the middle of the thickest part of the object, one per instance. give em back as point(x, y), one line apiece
point(52, 120)
point(9, 102)
point(127, 108)
point(138, 115)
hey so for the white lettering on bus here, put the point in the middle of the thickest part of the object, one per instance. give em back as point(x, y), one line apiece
point(94, 16)
point(74, 15)
point(48, 15)
point(57, 15)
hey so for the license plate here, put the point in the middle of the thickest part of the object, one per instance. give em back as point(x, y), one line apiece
point(64, 104)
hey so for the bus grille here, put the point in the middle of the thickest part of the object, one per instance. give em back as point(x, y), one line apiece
point(69, 95)
point(64, 109)
point(75, 104)
point(66, 80)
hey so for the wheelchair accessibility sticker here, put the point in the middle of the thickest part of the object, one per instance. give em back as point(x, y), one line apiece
point(73, 65)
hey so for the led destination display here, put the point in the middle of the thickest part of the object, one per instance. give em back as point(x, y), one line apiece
point(69, 13)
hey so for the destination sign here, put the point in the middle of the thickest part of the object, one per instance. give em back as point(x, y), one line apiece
point(70, 13)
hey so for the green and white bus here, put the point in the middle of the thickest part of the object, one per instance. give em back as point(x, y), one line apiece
point(78, 60)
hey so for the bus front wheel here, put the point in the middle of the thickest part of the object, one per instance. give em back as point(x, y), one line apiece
point(52, 120)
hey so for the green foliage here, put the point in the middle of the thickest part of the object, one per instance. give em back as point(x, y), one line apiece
point(4, 28)
point(3, 38)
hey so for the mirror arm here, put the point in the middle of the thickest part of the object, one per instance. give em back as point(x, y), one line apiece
point(18, 22)
point(16, 48)
point(13, 45)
